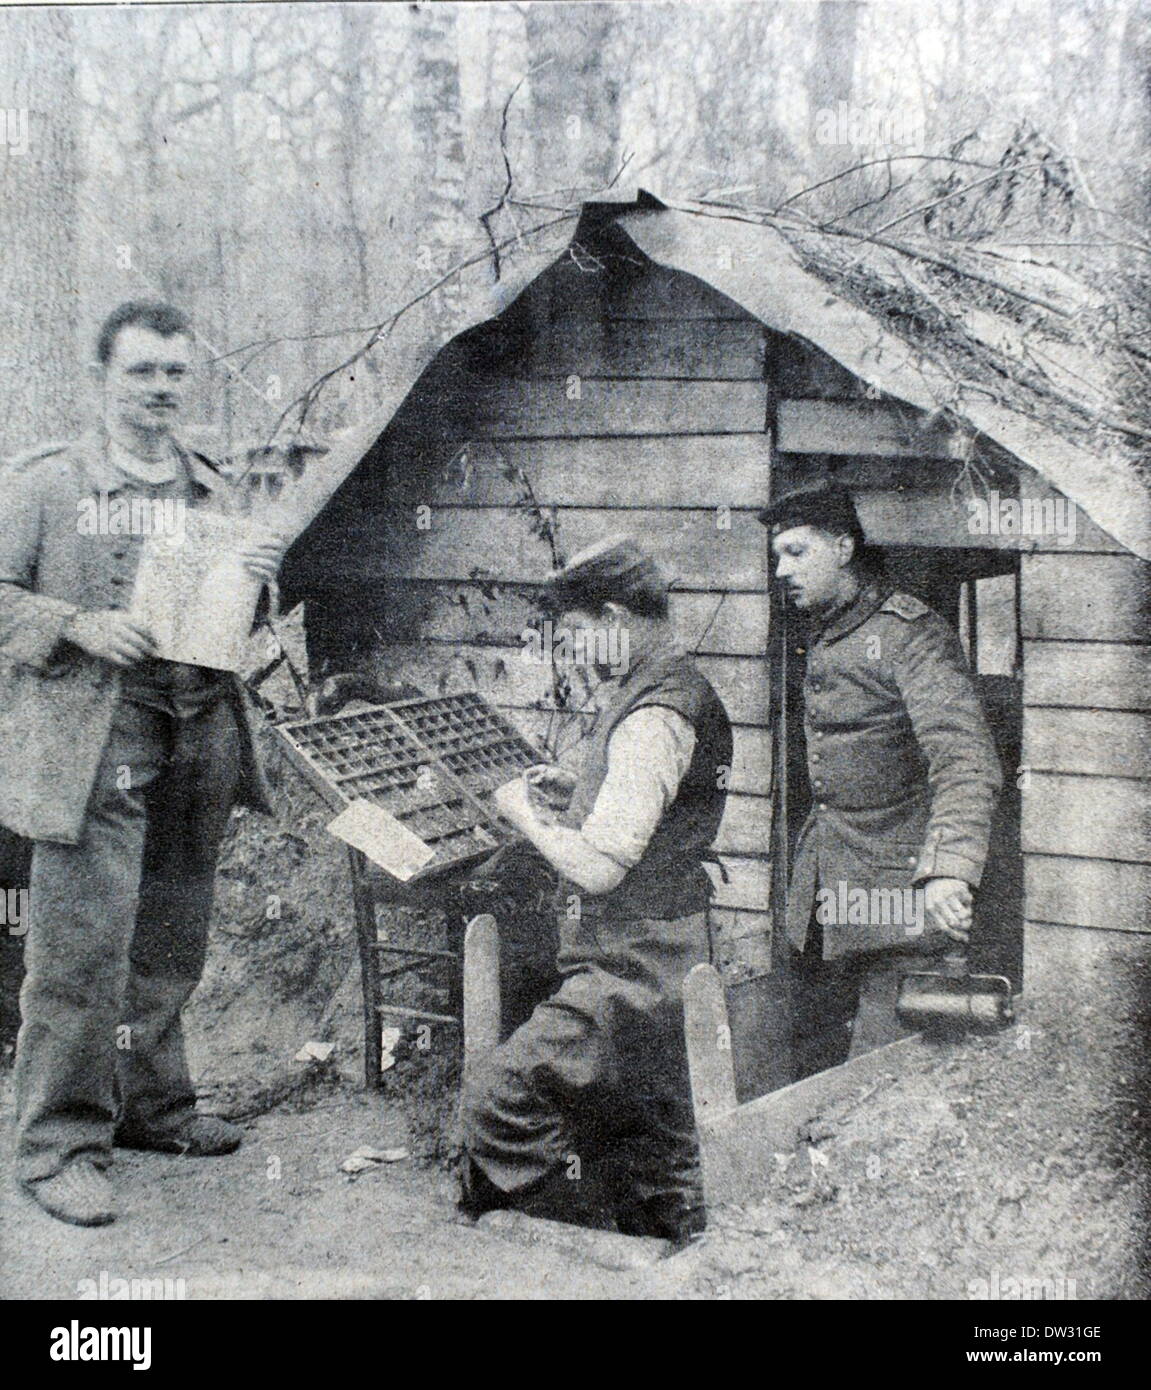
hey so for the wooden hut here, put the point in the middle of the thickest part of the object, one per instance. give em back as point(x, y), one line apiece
point(662, 374)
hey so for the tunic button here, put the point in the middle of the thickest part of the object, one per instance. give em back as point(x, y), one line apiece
point(816, 686)
point(823, 805)
point(819, 733)
point(818, 784)
point(815, 757)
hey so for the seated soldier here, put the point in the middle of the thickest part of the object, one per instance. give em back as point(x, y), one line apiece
point(584, 1113)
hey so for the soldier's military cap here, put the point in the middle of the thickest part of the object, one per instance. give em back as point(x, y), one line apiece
point(616, 569)
point(828, 506)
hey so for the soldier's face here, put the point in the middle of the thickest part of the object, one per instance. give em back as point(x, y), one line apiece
point(146, 379)
point(810, 565)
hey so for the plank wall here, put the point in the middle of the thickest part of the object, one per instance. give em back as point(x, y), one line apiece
point(624, 403)
point(643, 401)
point(1087, 734)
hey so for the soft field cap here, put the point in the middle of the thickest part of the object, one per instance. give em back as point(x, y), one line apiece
point(606, 571)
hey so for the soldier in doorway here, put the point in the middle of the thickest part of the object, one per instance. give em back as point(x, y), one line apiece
point(903, 775)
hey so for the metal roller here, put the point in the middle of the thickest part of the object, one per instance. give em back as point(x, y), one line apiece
point(952, 1001)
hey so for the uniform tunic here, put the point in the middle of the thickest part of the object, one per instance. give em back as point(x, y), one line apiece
point(902, 766)
point(903, 776)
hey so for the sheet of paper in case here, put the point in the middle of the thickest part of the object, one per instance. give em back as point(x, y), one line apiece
point(193, 593)
point(385, 840)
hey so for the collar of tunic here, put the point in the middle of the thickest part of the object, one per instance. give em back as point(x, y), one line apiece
point(867, 601)
point(92, 451)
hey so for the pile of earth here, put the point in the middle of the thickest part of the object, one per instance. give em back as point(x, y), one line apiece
point(1005, 1167)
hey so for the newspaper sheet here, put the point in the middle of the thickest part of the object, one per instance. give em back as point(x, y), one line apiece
point(193, 593)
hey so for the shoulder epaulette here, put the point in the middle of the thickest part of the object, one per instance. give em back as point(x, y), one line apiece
point(906, 606)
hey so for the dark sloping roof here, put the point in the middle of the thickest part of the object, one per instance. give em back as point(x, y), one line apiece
point(1003, 347)
point(1018, 352)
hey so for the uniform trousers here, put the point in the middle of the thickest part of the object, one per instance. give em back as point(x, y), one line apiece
point(844, 1007)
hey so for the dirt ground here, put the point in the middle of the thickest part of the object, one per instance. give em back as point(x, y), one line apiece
point(989, 1166)
point(1025, 1157)
point(279, 1220)
point(963, 1168)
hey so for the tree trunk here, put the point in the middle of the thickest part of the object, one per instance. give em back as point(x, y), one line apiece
point(38, 175)
point(436, 111)
point(831, 76)
point(830, 81)
point(356, 75)
point(575, 104)
point(1133, 196)
point(439, 143)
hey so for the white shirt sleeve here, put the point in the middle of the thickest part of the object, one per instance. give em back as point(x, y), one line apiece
point(648, 754)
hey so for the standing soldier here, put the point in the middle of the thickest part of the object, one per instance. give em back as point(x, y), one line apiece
point(122, 768)
point(599, 1071)
point(903, 775)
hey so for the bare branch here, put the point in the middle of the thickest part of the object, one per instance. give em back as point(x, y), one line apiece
point(501, 202)
point(304, 402)
point(1032, 167)
point(870, 163)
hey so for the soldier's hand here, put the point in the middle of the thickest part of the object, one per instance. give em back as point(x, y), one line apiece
point(112, 635)
point(949, 905)
point(549, 788)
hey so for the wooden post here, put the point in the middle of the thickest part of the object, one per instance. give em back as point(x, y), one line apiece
point(364, 908)
point(481, 988)
point(708, 1044)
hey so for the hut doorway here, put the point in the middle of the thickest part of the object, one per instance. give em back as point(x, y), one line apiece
point(978, 590)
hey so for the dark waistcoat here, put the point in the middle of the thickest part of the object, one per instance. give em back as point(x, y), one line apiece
point(670, 880)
